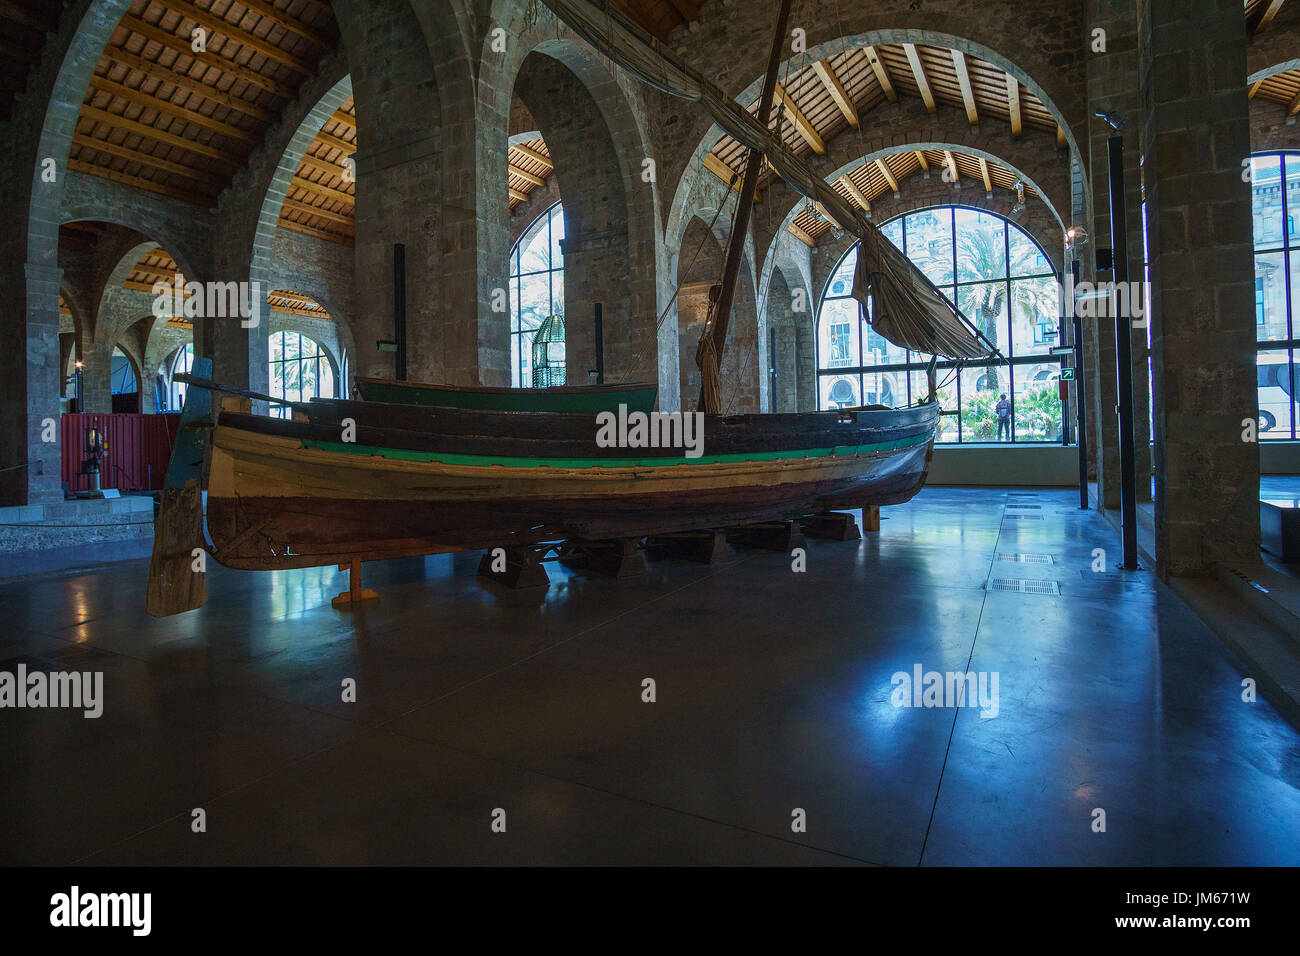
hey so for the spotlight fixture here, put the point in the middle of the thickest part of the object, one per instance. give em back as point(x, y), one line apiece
point(1113, 119)
point(1019, 208)
point(1076, 236)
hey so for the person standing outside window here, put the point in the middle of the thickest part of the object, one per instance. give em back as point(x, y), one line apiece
point(1003, 409)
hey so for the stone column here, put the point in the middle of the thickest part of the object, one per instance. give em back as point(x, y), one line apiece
point(42, 381)
point(1113, 85)
point(1195, 135)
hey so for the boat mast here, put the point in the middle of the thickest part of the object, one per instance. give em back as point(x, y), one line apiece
point(711, 355)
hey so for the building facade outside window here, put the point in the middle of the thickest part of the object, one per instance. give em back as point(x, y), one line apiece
point(181, 365)
point(536, 289)
point(1000, 278)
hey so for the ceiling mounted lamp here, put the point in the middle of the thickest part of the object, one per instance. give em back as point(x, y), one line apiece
point(1076, 236)
point(815, 212)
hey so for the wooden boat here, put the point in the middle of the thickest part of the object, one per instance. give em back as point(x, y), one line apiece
point(561, 398)
point(289, 493)
point(420, 469)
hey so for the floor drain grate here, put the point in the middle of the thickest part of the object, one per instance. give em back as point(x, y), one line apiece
point(1022, 558)
point(1024, 517)
point(1024, 586)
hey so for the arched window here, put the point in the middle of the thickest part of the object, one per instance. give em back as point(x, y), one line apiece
point(1275, 193)
point(181, 365)
point(536, 289)
point(1002, 281)
point(123, 374)
point(300, 370)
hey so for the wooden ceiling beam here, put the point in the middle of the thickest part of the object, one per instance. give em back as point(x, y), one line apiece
point(323, 234)
point(292, 297)
point(1060, 137)
point(1294, 106)
point(1273, 7)
point(326, 214)
point(517, 194)
point(147, 159)
point(963, 81)
point(925, 163)
point(984, 172)
point(535, 155)
point(222, 26)
point(1013, 105)
point(837, 92)
point(805, 129)
point(882, 73)
point(347, 119)
point(802, 236)
point(336, 142)
point(858, 195)
point(182, 113)
point(282, 19)
point(918, 73)
point(322, 165)
point(889, 176)
point(162, 136)
point(326, 191)
point(310, 313)
point(1254, 88)
point(525, 175)
point(182, 46)
point(189, 83)
point(720, 169)
point(951, 162)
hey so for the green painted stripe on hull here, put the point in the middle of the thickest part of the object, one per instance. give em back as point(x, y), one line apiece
point(397, 454)
point(524, 400)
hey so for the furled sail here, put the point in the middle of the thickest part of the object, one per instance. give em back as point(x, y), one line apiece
point(905, 307)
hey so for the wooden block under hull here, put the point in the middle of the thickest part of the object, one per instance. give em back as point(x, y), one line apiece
point(831, 526)
point(703, 547)
point(522, 568)
point(770, 535)
point(614, 559)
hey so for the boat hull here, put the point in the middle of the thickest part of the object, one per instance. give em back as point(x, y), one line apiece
point(278, 501)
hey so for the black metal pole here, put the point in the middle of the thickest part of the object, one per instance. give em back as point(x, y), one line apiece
point(600, 343)
point(1123, 355)
point(1080, 401)
point(399, 308)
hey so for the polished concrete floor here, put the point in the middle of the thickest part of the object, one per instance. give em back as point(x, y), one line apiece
point(773, 694)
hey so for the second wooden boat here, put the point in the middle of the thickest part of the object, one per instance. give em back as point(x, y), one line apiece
point(560, 398)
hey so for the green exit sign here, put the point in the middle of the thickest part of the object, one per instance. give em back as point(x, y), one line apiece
point(1067, 375)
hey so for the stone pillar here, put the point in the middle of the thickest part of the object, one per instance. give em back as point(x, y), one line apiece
point(41, 384)
point(1113, 85)
point(96, 377)
point(1195, 134)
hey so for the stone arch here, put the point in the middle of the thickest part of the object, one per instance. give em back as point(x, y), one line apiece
point(617, 105)
point(162, 343)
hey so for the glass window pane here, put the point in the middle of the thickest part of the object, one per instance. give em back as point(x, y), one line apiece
point(1026, 258)
point(1270, 297)
point(929, 243)
point(290, 345)
point(1266, 199)
point(1035, 315)
point(1292, 163)
point(884, 388)
point(947, 399)
point(841, 283)
point(838, 340)
point(982, 387)
point(876, 349)
point(534, 301)
point(840, 391)
point(1037, 407)
point(1275, 399)
point(985, 305)
point(557, 233)
point(535, 254)
point(893, 232)
point(557, 293)
point(981, 246)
